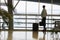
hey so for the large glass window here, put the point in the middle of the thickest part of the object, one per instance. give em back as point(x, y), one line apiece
point(27, 12)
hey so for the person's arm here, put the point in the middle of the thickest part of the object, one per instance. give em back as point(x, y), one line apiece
point(42, 13)
point(46, 12)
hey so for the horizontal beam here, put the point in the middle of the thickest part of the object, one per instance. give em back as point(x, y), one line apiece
point(21, 14)
point(2, 4)
point(28, 22)
point(33, 19)
point(44, 1)
point(31, 27)
point(30, 30)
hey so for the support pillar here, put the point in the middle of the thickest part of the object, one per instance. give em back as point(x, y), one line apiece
point(10, 7)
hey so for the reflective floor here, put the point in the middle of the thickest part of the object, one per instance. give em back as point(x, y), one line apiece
point(28, 35)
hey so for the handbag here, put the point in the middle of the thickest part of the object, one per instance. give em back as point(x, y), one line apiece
point(41, 23)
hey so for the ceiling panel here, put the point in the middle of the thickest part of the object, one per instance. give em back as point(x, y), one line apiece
point(45, 1)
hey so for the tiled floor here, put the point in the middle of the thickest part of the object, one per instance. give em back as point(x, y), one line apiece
point(28, 35)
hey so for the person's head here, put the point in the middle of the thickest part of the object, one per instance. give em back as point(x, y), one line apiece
point(43, 6)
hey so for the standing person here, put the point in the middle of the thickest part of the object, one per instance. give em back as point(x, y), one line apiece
point(43, 15)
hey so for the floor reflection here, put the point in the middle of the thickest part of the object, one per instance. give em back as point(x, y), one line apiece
point(10, 33)
point(35, 35)
point(43, 36)
point(31, 35)
point(0, 35)
point(55, 36)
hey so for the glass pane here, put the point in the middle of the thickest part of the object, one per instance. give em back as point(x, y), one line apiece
point(56, 9)
point(32, 7)
point(19, 11)
point(20, 8)
point(3, 1)
point(4, 7)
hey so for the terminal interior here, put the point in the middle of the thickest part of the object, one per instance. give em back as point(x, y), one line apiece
point(23, 13)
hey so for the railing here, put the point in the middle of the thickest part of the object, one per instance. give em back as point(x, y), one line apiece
point(34, 20)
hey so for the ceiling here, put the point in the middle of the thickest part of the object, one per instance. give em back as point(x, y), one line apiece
point(46, 1)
